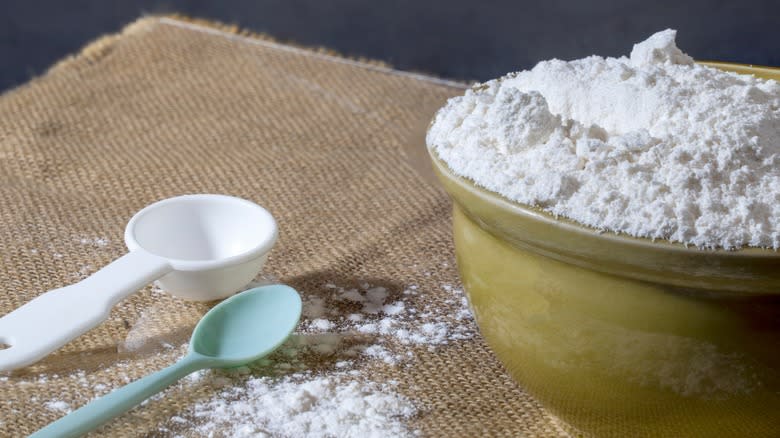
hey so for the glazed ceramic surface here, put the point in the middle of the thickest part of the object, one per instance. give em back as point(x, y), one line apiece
point(619, 336)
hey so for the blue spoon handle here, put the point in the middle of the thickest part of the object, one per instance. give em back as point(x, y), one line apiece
point(97, 412)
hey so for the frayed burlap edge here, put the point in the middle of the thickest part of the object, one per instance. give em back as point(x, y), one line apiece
point(94, 51)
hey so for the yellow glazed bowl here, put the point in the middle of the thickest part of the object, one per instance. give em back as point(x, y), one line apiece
point(619, 336)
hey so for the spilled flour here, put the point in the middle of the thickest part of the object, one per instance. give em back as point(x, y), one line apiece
point(343, 327)
point(650, 145)
point(301, 405)
point(57, 405)
point(325, 380)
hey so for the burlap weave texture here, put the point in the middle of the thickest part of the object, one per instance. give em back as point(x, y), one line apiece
point(332, 147)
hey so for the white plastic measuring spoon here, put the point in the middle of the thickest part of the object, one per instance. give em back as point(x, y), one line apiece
point(198, 247)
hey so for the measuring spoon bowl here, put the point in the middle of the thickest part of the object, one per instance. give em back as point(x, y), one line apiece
point(198, 247)
point(214, 244)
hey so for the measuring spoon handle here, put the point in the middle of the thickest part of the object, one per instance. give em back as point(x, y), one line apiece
point(51, 320)
point(121, 400)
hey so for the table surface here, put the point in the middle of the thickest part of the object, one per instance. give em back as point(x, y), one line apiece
point(332, 147)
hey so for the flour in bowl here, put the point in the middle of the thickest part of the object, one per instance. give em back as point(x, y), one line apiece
point(651, 145)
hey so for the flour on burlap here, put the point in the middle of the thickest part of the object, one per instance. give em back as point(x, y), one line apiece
point(301, 405)
point(57, 405)
point(651, 145)
point(353, 329)
point(319, 383)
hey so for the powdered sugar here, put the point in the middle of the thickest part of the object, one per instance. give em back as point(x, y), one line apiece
point(652, 145)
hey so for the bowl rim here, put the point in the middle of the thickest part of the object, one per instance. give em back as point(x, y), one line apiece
point(748, 269)
point(736, 67)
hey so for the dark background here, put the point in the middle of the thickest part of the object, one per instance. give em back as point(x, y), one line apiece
point(455, 38)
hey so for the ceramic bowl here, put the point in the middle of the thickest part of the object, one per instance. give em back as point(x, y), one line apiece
point(620, 336)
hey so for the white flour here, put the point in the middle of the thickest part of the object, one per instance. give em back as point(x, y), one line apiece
point(325, 381)
point(57, 405)
point(652, 145)
point(344, 327)
point(317, 384)
point(302, 405)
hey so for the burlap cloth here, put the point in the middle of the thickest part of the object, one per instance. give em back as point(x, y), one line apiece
point(332, 147)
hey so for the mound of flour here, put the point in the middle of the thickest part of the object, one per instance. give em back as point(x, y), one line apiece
point(651, 145)
point(326, 380)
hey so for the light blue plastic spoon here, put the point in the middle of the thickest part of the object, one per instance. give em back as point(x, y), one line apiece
point(239, 330)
